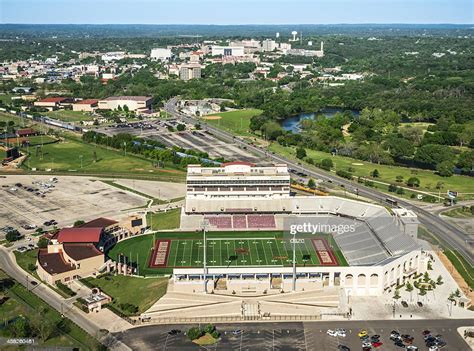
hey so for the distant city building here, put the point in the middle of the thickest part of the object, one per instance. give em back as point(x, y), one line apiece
point(307, 53)
point(85, 105)
point(113, 56)
point(191, 71)
point(53, 103)
point(134, 103)
point(227, 50)
point(160, 54)
point(269, 45)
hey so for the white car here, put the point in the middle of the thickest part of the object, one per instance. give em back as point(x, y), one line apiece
point(366, 344)
point(414, 348)
point(341, 332)
point(332, 332)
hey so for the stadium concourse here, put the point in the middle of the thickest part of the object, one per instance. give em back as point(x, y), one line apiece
point(381, 249)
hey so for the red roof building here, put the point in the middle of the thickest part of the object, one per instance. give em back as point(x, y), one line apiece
point(79, 235)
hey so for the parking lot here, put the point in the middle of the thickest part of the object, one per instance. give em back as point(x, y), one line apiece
point(311, 336)
point(200, 140)
point(65, 201)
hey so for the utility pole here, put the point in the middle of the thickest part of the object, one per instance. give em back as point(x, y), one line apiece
point(204, 226)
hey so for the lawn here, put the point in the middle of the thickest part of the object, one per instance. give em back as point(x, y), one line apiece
point(459, 212)
point(164, 220)
point(25, 303)
point(388, 174)
point(75, 156)
point(69, 116)
point(223, 249)
point(236, 122)
point(140, 292)
point(26, 258)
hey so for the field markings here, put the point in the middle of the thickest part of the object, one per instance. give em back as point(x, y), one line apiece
point(265, 254)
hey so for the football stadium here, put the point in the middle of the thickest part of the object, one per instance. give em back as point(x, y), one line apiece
point(242, 231)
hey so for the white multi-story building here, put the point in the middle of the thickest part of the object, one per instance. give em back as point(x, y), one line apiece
point(228, 50)
point(113, 56)
point(190, 71)
point(237, 179)
point(134, 103)
point(269, 45)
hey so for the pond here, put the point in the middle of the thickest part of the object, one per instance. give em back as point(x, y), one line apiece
point(293, 123)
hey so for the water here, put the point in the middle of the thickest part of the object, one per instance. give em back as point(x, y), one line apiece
point(293, 123)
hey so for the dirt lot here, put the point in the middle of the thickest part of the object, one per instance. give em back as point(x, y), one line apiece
point(72, 198)
point(160, 190)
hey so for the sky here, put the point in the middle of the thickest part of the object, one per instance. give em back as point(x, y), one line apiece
point(236, 11)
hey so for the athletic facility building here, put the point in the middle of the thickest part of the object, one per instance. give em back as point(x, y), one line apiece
point(364, 248)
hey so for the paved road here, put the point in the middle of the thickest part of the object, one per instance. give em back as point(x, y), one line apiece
point(452, 235)
point(307, 336)
point(8, 264)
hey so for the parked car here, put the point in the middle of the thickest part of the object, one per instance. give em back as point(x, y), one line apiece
point(331, 332)
point(174, 332)
point(362, 333)
point(343, 348)
point(377, 344)
point(404, 304)
point(420, 304)
point(237, 332)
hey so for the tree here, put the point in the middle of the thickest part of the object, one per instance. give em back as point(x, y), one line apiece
point(422, 291)
point(20, 328)
point(396, 295)
point(194, 333)
point(78, 223)
point(43, 243)
point(31, 267)
point(180, 127)
point(375, 173)
point(409, 289)
point(445, 168)
point(327, 164)
point(311, 183)
point(399, 178)
point(413, 182)
point(12, 235)
point(300, 153)
point(209, 328)
point(43, 326)
point(426, 277)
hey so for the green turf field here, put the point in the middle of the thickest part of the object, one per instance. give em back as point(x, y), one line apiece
point(263, 248)
point(224, 252)
point(234, 121)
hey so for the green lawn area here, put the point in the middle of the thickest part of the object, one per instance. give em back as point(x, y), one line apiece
point(268, 248)
point(140, 292)
point(6, 117)
point(388, 174)
point(69, 116)
point(26, 258)
point(462, 266)
point(164, 220)
point(66, 157)
point(236, 122)
point(459, 212)
point(24, 303)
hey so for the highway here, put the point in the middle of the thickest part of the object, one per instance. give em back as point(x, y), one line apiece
point(453, 236)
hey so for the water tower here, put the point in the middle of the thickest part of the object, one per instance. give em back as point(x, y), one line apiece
point(277, 35)
point(294, 33)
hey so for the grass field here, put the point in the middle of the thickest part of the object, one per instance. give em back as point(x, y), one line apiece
point(459, 213)
point(428, 179)
point(140, 292)
point(164, 220)
point(69, 116)
point(70, 155)
point(223, 249)
point(236, 122)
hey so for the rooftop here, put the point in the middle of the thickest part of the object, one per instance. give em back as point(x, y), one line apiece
point(81, 251)
point(87, 102)
point(53, 263)
point(99, 223)
point(54, 99)
point(129, 98)
point(79, 235)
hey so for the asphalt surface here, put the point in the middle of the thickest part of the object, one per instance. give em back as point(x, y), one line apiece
point(302, 336)
point(453, 236)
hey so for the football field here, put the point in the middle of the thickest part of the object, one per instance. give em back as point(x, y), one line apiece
point(227, 252)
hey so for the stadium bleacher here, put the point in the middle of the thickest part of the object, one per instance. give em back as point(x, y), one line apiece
point(239, 222)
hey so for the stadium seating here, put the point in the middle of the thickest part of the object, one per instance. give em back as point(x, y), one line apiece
point(262, 221)
point(221, 222)
point(239, 222)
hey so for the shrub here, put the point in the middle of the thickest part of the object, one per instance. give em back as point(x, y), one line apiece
point(344, 174)
point(300, 153)
point(128, 308)
point(327, 164)
point(413, 182)
point(194, 333)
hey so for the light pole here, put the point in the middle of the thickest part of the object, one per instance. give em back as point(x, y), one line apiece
point(80, 157)
point(294, 263)
point(204, 227)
